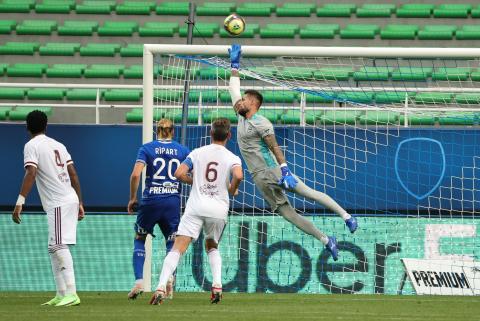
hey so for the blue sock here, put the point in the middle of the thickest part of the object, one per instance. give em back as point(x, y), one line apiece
point(138, 258)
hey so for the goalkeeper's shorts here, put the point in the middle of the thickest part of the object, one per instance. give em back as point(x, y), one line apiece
point(267, 182)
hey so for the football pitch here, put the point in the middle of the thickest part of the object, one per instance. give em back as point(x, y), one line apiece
point(99, 306)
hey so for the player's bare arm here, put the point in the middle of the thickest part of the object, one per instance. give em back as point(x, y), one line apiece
point(75, 182)
point(237, 177)
point(272, 144)
point(27, 184)
point(134, 182)
point(182, 174)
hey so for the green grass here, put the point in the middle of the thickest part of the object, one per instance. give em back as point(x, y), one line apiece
point(195, 306)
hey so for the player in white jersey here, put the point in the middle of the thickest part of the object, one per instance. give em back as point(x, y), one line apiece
point(48, 163)
point(215, 173)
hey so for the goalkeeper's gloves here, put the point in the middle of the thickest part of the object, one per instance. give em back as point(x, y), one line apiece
point(288, 180)
point(235, 52)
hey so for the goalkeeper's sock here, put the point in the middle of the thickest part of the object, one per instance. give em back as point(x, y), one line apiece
point(289, 213)
point(67, 271)
point(215, 261)
point(169, 265)
point(138, 258)
point(57, 275)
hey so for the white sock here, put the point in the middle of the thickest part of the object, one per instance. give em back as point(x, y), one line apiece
point(60, 284)
point(169, 265)
point(66, 269)
point(215, 261)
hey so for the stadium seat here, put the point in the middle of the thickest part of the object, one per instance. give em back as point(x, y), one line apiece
point(59, 49)
point(95, 7)
point(213, 73)
point(6, 26)
point(55, 6)
point(412, 73)
point(475, 13)
point(158, 29)
point(372, 73)
point(173, 72)
point(332, 73)
point(322, 97)
point(10, 6)
point(132, 50)
point(391, 97)
point(271, 114)
point(104, 71)
point(65, 71)
point(202, 29)
point(3, 68)
point(36, 27)
point(46, 93)
point(260, 9)
point(451, 74)
point(167, 95)
point(134, 71)
point(359, 97)
point(415, 10)
point(77, 28)
point(475, 75)
point(399, 32)
point(118, 28)
point(122, 95)
point(418, 119)
point(455, 118)
point(433, 98)
point(100, 49)
point(295, 9)
point(359, 31)
point(26, 70)
point(135, 7)
point(4, 111)
point(12, 93)
point(468, 32)
point(209, 115)
point(452, 10)
point(292, 117)
point(19, 48)
point(216, 9)
point(437, 32)
point(208, 96)
point(82, 94)
point(318, 31)
point(379, 117)
point(134, 116)
point(278, 96)
point(336, 10)
point(370, 10)
point(468, 98)
point(250, 30)
point(278, 30)
point(339, 116)
point(299, 73)
point(172, 8)
point(20, 113)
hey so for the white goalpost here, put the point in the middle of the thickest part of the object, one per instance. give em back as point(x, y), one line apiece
point(392, 134)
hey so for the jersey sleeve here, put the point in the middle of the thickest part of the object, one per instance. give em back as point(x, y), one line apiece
point(236, 161)
point(142, 156)
point(30, 156)
point(264, 127)
point(67, 156)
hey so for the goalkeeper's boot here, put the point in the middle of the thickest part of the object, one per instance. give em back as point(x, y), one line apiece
point(159, 296)
point(216, 294)
point(54, 301)
point(69, 300)
point(332, 247)
point(170, 286)
point(352, 224)
point(135, 292)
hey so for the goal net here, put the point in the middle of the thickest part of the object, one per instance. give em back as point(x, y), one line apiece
point(391, 134)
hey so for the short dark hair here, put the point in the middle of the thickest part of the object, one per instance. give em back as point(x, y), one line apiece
point(37, 122)
point(258, 96)
point(220, 129)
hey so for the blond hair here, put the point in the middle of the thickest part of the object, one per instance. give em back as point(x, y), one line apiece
point(164, 128)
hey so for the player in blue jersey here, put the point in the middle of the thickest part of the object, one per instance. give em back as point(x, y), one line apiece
point(160, 202)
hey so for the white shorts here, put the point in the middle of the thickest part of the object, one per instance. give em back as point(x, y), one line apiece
point(191, 225)
point(62, 224)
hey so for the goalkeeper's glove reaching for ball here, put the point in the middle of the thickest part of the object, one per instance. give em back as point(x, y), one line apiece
point(288, 180)
point(235, 52)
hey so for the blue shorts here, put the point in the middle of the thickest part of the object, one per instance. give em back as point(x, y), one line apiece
point(164, 212)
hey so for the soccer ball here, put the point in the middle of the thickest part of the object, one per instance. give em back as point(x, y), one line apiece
point(234, 24)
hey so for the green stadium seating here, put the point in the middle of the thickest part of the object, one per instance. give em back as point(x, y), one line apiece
point(468, 32)
point(332, 73)
point(213, 73)
point(20, 113)
point(6, 26)
point(456, 118)
point(412, 73)
point(135, 7)
point(10, 6)
point(451, 74)
point(452, 10)
point(122, 95)
point(375, 10)
point(168, 95)
point(359, 31)
point(399, 32)
point(475, 75)
point(391, 97)
point(336, 10)
point(295, 73)
point(259, 9)
point(172, 8)
point(292, 117)
point(55, 6)
point(12, 93)
point(158, 29)
point(46, 93)
point(216, 9)
point(209, 115)
point(475, 13)
point(134, 71)
point(468, 98)
point(36, 27)
point(250, 30)
point(339, 116)
point(319, 31)
point(132, 50)
point(174, 72)
point(322, 97)
point(271, 114)
point(379, 117)
point(437, 32)
point(26, 70)
point(4, 111)
point(295, 9)
point(433, 98)
point(77, 28)
point(103, 71)
point(59, 49)
point(19, 48)
point(360, 97)
point(202, 29)
point(372, 73)
point(118, 28)
point(278, 30)
point(278, 96)
point(415, 10)
point(176, 114)
point(100, 49)
point(3, 68)
point(425, 118)
point(65, 71)
point(95, 7)
point(134, 116)
point(82, 94)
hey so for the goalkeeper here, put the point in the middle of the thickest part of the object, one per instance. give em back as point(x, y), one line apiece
point(266, 162)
